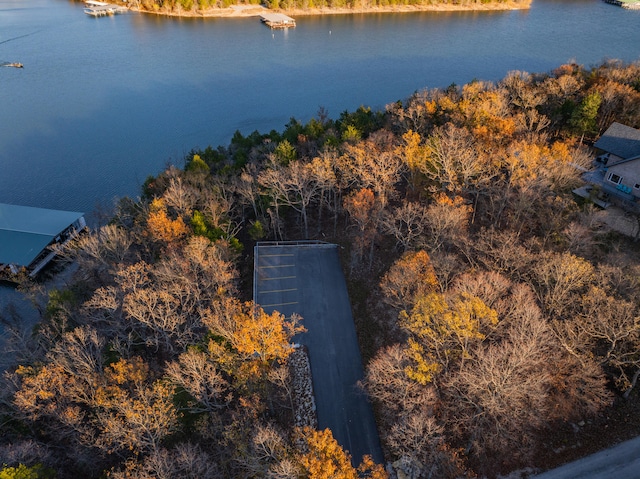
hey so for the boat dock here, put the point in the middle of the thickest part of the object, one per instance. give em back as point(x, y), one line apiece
point(101, 9)
point(277, 20)
point(629, 4)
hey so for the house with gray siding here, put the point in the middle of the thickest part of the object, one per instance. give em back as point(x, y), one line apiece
point(620, 160)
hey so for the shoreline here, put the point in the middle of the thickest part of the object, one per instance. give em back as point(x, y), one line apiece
point(246, 11)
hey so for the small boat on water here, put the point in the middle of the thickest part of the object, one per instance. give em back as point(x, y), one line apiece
point(12, 64)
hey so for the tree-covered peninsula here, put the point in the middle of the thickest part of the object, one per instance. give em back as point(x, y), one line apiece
point(498, 317)
point(313, 7)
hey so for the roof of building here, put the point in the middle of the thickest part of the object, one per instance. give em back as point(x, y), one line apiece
point(25, 231)
point(620, 140)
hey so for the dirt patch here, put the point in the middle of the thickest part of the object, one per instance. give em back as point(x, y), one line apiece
point(619, 220)
point(572, 441)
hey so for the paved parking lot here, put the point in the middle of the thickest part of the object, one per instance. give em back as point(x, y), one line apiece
point(307, 279)
point(276, 280)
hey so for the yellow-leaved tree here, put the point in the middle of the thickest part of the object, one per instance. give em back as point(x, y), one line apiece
point(442, 331)
point(413, 154)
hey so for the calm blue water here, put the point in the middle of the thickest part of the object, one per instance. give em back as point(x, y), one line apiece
point(102, 103)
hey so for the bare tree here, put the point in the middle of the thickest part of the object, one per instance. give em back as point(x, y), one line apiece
point(364, 210)
point(157, 317)
point(406, 223)
point(526, 96)
point(447, 219)
point(505, 252)
point(606, 329)
point(197, 374)
point(103, 249)
point(492, 288)
point(500, 397)
point(419, 441)
point(387, 382)
point(323, 174)
point(246, 186)
point(80, 353)
point(181, 197)
point(511, 388)
point(453, 162)
point(373, 164)
point(558, 278)
point(185, 460)
point(292, 186)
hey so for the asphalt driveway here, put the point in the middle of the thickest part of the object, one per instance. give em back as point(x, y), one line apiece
point(307, 279)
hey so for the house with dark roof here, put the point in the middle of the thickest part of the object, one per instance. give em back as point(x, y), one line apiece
point(620, 160)
point(29, 236)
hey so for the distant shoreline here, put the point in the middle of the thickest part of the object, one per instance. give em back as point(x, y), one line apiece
point(239, 11)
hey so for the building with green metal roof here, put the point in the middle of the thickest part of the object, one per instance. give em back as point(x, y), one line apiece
point(27, 236)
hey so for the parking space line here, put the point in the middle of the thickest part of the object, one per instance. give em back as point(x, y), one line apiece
point(278, 266)
point(277, 304)
point(277, 277)
point(278, 291)
point(275, 255)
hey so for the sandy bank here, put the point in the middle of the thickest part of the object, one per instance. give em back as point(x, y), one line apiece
point(255, 11)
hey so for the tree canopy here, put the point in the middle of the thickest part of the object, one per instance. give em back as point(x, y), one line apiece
point(491, 307)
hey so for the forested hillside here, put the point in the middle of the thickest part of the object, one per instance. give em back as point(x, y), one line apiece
point(498, 318)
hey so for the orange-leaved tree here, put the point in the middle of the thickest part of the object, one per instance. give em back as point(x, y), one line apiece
point(409, 277)
point(246, 340)
point(161, 227)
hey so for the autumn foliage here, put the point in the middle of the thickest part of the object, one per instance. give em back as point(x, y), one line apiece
point(325, 459)
point(495, 313)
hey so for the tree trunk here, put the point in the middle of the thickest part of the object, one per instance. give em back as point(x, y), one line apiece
point(633, 384)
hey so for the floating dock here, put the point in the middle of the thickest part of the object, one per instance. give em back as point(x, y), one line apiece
point(277, 20)
point(629, 4)
point(101, 9)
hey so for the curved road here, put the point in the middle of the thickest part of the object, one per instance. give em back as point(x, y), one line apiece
point(621, 461)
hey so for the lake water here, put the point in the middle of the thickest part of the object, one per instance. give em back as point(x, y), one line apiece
point(104, 102)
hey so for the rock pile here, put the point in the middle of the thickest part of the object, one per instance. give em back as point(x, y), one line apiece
point(303, 399)
point(406, 468)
